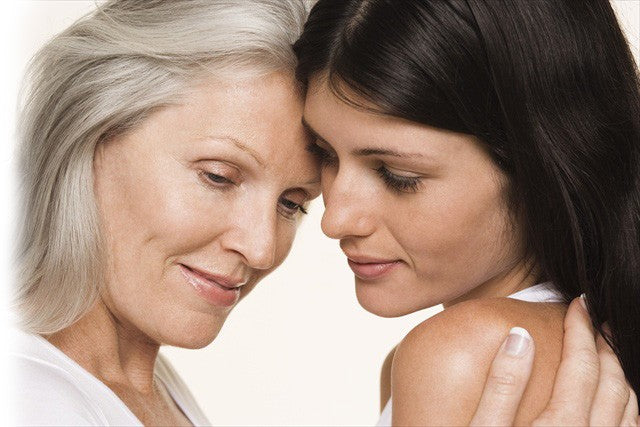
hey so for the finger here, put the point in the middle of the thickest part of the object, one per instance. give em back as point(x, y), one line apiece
point(508, 377)
point(577, 376)
point(612, 394)
point(630, 417)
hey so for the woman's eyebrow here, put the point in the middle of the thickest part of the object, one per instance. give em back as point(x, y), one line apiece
point(384, 152)
point(360, 152)
point(312, 131)
point(239, 144)
point(371, 151)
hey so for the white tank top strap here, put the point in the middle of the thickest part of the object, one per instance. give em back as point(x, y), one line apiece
point(542, 292)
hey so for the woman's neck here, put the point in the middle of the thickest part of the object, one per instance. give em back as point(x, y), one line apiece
point(113, 352)
point(519, 277)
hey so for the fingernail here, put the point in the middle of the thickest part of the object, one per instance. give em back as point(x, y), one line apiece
point(517, 342)
point(583, 301)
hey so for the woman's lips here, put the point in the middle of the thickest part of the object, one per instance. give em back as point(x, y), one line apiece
point(371, 270)
point(215, 290)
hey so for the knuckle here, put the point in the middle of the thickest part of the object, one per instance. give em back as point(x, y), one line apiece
point(559, 414)
point(556, 417)
point(503, 384)
point(547, 418)
point(539, 422)
point(617, 388)
point(629, 423)
point(587, 363)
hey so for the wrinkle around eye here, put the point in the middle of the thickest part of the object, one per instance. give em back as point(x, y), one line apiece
point(214, 181)
point(299, 196)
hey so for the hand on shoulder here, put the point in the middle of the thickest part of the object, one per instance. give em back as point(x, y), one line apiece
point(440, 368)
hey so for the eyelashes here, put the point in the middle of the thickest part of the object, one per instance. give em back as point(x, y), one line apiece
point(291, 208)
point(286, 207)
point(396, 183)
point(217, 179)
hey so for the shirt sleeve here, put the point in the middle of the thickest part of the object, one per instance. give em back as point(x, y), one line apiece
point(43, 396)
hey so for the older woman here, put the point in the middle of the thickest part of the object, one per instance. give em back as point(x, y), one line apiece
point(160, 185)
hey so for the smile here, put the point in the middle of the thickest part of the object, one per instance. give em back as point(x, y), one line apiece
point(367, 269)
point(216, 290)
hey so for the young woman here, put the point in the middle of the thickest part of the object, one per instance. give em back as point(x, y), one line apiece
point(473, 151)
point(160, 185)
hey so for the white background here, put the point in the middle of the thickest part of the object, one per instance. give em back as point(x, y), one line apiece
point(299, 350)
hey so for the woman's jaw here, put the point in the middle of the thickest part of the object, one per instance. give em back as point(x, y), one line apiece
point(195, 215)
point(385, 287)
point(421, 212)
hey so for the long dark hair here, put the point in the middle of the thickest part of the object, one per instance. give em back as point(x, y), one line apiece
point(550, 87)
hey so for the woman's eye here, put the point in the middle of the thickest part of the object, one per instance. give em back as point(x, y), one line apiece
point(289, 209)
point(216, 180)
point(325, 157)
point(398, 183)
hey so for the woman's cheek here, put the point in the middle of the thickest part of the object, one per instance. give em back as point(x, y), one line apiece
point(286, 236)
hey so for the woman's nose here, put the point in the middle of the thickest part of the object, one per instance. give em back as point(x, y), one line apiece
point(348, 208)
point(255, 237)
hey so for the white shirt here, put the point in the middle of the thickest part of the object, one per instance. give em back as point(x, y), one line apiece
point(543, 292)
point(50, 388)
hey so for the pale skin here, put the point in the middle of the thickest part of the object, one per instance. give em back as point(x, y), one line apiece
point(463, 355)
point(159, 190)
point(174, 192)
point(433, 203)
point(603, 402)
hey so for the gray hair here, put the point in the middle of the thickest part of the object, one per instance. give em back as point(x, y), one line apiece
point(95, 80)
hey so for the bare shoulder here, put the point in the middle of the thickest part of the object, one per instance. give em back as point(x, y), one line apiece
point(440, 367)
point(385, 379)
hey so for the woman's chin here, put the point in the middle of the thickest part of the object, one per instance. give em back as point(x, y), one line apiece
point(192, 334)
point(376, 303)
point(191, 344)
point(385, 303)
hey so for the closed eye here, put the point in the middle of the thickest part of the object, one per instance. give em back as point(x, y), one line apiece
point(217, 179)
point(399, 183)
